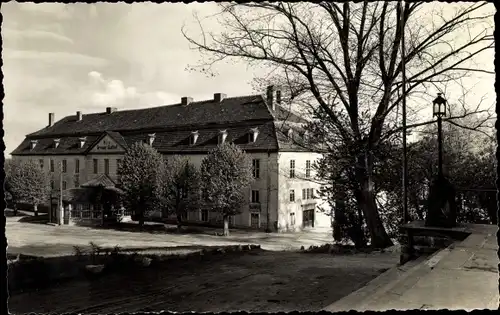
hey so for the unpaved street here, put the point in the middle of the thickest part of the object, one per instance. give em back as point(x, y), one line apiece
point(263, 281)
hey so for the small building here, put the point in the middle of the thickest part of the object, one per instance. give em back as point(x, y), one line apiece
point(88, 148)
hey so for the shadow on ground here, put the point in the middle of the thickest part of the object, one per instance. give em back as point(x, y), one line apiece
point(40, 219)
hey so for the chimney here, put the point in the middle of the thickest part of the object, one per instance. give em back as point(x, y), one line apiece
point(78, 115)
point(56, 143)
point(222, 136)
point(254, 132)
point(51, 119)
point(194, 137)
point(82, 141)
point(218, 97)
point(33, 144)
point(110, 110)
point(186, 100)
point(270, 97)
point(151, 138)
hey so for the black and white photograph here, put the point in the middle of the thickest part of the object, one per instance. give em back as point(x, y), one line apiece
point(250, 156)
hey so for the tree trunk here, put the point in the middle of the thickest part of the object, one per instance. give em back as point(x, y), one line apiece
point(366, 201)
point(141, 216)
point(226, 225)
point(35, 210)
point(378, 234)
point(179, 222)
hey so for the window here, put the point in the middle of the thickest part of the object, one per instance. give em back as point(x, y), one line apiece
point(77, 182)
point(96, 166)
point(308, 168)
point(52, 184)
point(77, 166)
point(256, 168)
point(52, 165)
point(204, 215)
point(41, 163)
point(255, 196)
point(292, 218)
point(292, 168)
point(292, 195)
point(64, 166)
point(106, 166)
point(64, 185)
point(308, 193)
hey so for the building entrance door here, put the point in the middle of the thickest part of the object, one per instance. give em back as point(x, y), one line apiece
point(308, 218)
point(254, 220)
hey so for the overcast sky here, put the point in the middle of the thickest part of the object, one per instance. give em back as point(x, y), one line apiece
point(63, 58)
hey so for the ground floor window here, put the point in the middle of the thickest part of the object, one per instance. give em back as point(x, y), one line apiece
point(292, 218)
point(255, 220)
point(204, 215)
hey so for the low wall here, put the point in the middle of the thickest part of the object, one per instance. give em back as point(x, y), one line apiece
point(36, 273)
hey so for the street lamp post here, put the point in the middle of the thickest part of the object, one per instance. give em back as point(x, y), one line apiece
point(439, 110)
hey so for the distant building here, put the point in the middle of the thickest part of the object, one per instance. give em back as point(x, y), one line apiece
point(89, 147)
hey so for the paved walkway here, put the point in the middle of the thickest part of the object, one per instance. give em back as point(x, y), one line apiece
point(462, 276)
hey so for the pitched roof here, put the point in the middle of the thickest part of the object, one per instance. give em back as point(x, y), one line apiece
point(172, 126)
point(229, 110)
point(101, 180)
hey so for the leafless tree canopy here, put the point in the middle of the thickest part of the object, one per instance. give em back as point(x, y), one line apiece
point(345, 57)
point(344, 62)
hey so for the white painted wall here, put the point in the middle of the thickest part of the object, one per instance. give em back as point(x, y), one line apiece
point(300, 182)
point(274, 171)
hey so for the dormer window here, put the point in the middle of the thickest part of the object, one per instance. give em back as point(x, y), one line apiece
point(151, 138)
point(193, 138)
point(252, 134)
point(56, 143)
point(33, 144)
point(222, 136)
point(82, 141)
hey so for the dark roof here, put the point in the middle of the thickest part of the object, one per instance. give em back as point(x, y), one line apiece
point(101, 180)
point(229, 110)
point(172, 126)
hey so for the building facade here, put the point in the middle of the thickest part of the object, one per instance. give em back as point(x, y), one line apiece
point(80, 148)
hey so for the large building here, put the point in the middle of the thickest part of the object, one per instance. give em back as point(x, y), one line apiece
point(88, 147)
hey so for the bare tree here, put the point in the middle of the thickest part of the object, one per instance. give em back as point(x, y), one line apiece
point(344, 61)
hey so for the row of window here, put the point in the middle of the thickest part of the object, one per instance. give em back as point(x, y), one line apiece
point(64, 165)
point(307, 193)
point(256, 168)
point(292, 168)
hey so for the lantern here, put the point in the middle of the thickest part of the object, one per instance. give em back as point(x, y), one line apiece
point(439, 106)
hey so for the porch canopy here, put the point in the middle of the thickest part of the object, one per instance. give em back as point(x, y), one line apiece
point(86, 192)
